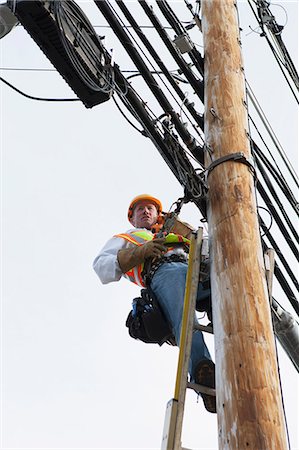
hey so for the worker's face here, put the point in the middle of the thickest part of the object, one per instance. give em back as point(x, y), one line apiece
point(144, 215)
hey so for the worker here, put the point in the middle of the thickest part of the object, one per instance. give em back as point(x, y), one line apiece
point(126, 255)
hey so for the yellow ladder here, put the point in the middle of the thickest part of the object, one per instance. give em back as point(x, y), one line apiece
point(173, 423)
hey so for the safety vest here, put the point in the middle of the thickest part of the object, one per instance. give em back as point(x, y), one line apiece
point(140, 238)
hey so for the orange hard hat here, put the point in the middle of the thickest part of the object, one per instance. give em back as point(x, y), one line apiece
point(141, 197)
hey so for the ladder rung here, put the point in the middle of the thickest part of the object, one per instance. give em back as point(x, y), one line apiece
point(205, 328)
point(203, 389)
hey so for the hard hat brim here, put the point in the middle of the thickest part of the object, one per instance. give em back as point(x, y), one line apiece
point(142, 197)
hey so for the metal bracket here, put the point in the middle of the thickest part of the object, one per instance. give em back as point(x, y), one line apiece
point(236, 157)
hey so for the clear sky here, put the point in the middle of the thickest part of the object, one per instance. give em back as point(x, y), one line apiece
point(71, 377)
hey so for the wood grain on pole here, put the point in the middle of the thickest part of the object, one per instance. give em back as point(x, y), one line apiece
point(249, 404)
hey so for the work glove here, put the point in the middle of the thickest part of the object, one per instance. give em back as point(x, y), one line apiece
point(132, 257)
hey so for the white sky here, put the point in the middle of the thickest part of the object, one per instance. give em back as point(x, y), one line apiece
point(71, 377)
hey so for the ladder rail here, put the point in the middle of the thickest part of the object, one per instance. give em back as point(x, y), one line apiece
point(175, 408)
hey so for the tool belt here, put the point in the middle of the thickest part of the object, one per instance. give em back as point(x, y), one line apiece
point(147, 323)
point(150, 267)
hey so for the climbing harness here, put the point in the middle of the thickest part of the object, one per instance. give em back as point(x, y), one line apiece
point(138, 273)
point(150, 272)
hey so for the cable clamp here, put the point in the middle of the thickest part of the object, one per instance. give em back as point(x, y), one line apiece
point(236, 157)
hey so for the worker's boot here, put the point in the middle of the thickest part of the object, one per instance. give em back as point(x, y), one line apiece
point(205, 376)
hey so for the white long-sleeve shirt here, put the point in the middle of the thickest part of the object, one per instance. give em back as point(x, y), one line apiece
point(106, 263)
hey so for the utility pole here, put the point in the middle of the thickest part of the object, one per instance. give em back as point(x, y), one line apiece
point(249, 404)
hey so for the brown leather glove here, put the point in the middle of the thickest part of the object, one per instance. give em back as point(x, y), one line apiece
point(131, 257)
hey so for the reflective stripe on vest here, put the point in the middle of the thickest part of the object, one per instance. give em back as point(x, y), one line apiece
point(141, 237)
point(136, 238)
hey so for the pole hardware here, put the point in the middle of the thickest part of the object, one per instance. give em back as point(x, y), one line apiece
point(236, 157)
point(214, 114)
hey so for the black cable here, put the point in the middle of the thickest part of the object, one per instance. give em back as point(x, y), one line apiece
point(195, 149)
point(271, 219)
point(278, 220)
point(271, 133)
point(158, 72)
point(195, 83)
point(292, 67)
point(172, 19)
point(286, 288)
point(276, 198)
point(29, 69)
point(128, 26)
point(106, 10)
point(134, 72)
point(71, 19)
point(276, 175)
point(31, 97)
point(127, 119)
point(135, 105)
point(169, 76)
point(279, 254)
point(276, 32)
point(282, 65)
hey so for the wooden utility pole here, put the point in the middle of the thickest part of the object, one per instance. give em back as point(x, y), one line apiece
point(249, 404)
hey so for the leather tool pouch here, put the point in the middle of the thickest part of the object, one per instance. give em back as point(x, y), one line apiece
point(146, 322)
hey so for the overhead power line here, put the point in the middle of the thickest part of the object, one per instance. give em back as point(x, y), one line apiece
point(272, 135)
point(42, 99)
point(272, 30)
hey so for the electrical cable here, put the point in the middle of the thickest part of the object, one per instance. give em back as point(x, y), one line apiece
point(279, 254)
point(172, 19)
point(271, 219)
point(276, 175)
point(128, 26)
point(107, 11)
point(127, 119)
point(272, 135)
point(135, 73)
point(169, 76)
point(136, 105)
point(193, 182)
point(158, 72)
point(281, 65)
point(164, 129)
point(70, 18)
point(275, 197)
point(31, 97)
point(286, 288)
point(28, 69)
point(195, 83)
point(276, 31)
point(278, 220)
point(158, 61)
